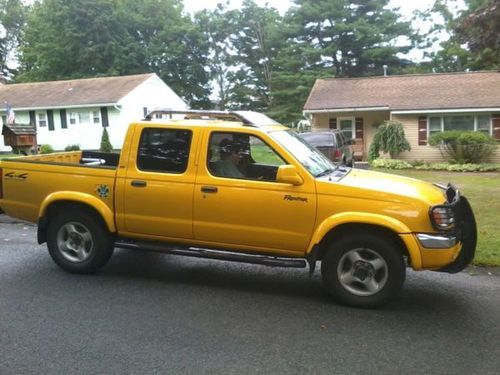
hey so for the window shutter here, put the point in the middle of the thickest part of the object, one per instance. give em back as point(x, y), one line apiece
point(64, 122)
point(332, 123)
point(495, 119)
point(50, 118)
point(359, 128)
point(32, 118)
point(422, 131)
point(104, 117)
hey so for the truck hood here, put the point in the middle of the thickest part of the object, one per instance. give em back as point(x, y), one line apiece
point(382, 187)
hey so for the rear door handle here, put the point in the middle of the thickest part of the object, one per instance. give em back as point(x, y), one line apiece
point(138, 183)
point(209, 189)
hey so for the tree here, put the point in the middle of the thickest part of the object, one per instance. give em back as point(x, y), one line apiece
point(87, 38)
point(472, 40)
point(71, 39)
point(165, 41)
point(257, 44)
point(106, 145)
point(389, 137)
point(479, 27)
point(219, 28)
point(350, 38)
point(12, 18)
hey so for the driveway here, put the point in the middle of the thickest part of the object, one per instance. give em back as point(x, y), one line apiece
point(147, 313)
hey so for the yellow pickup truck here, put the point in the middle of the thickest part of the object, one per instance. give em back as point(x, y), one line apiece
point(217, 185)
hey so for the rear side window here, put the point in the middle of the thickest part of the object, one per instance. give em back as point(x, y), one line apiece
point(164, 150)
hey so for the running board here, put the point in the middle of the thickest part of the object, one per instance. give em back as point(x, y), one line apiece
point(195, 252)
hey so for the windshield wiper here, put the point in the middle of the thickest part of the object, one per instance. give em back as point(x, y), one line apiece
point(325, 172)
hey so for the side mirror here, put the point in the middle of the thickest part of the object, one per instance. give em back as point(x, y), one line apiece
point(288, 174)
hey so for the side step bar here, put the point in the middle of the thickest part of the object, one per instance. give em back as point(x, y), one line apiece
point(265, 260)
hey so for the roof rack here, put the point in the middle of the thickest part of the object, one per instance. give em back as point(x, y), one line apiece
point(198, 114)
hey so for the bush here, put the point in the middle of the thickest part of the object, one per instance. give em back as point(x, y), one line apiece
point(390, 164)
point(105, 143)
point(390, 137)
point(424, 166)
point(72, 148)
point(46, 149)
point(464, 147)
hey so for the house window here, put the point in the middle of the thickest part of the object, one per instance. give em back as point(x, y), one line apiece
point(84, 117)
point(96, 117)
point(73, 118)
point(42, 119)
point(346, 126)
point(467, 122)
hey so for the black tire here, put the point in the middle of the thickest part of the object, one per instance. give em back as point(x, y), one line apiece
point(365, 270)
point(79, 242)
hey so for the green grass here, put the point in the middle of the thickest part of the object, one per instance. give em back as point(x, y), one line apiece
point(4, 156)
point(483, 192)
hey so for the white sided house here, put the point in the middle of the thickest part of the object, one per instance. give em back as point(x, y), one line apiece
point(75, 111)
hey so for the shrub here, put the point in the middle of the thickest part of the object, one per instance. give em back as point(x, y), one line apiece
point(105, 143)
point(464, 147)
point(390, 164)
point(46, 149)
point(424, 166)
point(72, 148)
point(390, 137)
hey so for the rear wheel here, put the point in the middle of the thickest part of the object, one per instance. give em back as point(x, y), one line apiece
point(363, 271)
point(79, 242)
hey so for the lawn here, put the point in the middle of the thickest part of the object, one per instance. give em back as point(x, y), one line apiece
point(483, 192)
point(3, 156)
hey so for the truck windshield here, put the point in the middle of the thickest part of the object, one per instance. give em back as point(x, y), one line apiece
point(314, 161)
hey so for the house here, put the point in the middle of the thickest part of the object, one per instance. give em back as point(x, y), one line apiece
point(75, 111)
point(423, 103)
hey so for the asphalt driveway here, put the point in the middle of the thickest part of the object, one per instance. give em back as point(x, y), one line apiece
point(150, 313)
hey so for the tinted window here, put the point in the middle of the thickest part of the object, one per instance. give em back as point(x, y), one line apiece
point(164, 150)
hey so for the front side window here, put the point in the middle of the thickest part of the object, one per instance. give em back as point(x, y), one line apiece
point(164, 150)
point(84, 117)
point(314, 161)
point(484, 123)
point(242, 156)
point(464, 123)
point(42, 119)
point(346, 127)
point(467, 122)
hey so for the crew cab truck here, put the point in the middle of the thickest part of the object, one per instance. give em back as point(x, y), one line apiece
point(212, 184)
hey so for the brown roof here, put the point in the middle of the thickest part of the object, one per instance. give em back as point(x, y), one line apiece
point(74, 92)
point(408, 92)
point(19, 129)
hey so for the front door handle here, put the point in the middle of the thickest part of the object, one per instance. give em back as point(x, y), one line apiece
point(209, 189)
point(138, 183)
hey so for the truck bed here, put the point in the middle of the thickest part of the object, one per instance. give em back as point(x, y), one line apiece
point(86, 158)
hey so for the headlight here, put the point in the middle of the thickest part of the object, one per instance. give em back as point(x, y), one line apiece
point(442, 217)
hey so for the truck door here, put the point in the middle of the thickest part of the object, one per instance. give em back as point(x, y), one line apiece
point(238, 201)
point(159, 183)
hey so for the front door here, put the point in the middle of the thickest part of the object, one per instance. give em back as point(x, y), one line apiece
point(238, 201)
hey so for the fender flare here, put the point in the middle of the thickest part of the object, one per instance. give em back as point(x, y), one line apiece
point(89, 200)
point(386, 222)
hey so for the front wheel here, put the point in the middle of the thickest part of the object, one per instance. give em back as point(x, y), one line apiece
point(78, 242)
point(363, 271)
